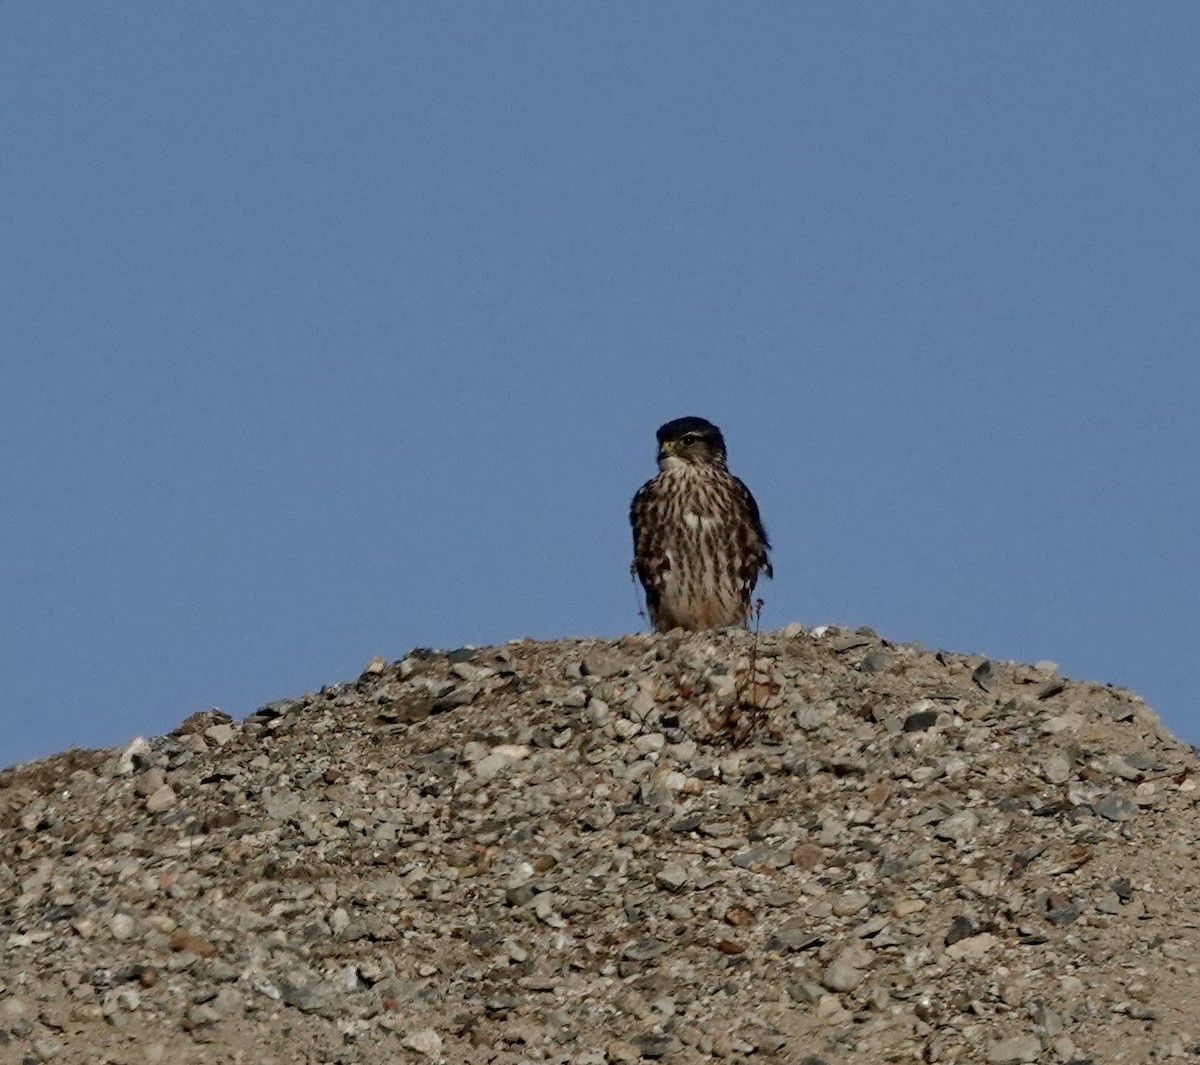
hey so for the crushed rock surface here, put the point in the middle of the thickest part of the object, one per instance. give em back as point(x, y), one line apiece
point(801, 846)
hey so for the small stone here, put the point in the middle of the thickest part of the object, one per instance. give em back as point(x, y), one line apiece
point(831, 1011)
point(795, 934)
point(769, 1041)
point(265, 986)
point(520, 894)
point(136, 750)
point(1114, 807)
point(303, 989)
point(281, 804)
point(874, 661)
point(619, 1052)
point(960, 928)
point(492, 765)
point(1123, 768)
point(879, 794)
point(1120, 711)
point(642, 704)
point(150, 781)
point(810, 718)
point(807, 856)
point(759, 856)
point(907, 907)
point(673, 877)
point(47, 1048)
point(600, 816)
point(850, 903)
point(972, 946)
point(1064, 1047)
point(220, 734)
point(1012, 993)
point(656, 1045)
point(920, 720)
point(599, 664)
point(474, 674)
point(1017, 1050)
point(649, 742)
point(514, 751)
point(1068, 722)
point(985, 676)
point(846, 972)
point(121, 925)
point(959, 827)
point(183, 940)
point(1056, 769)
point(424, 1041)
point(1063, 911)
point(1046, 1019)
point(643, 949)
point(160, 800)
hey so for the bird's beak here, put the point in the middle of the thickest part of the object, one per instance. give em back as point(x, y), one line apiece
point(666, 449)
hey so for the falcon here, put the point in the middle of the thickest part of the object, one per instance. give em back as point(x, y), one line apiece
point(698, 542)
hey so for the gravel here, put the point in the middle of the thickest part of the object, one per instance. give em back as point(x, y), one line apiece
point(796, 846)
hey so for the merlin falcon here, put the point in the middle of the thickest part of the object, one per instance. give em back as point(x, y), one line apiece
point(698, 542)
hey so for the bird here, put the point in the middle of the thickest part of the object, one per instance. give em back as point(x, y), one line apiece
point(698, 542)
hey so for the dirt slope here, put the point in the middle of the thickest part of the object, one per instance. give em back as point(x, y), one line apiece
point(796, 847)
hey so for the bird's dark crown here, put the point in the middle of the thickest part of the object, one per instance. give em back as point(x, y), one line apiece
point(693, 436)
point(680, 427)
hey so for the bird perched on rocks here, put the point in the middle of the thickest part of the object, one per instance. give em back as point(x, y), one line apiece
point(698, 542)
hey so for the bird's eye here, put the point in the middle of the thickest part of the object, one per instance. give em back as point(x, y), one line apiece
point(689, 439)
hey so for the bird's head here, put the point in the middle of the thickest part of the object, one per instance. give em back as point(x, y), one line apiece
point(693, 441)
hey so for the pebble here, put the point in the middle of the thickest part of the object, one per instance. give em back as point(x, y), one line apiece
point(1056, 769)
point(424, 1041)
point(282, 804)
point(850, 903)
point(847, 971)
point(183, 940)
point(972, 946)
point(673, 877)
point(161, 799)
point(907, 907)
point(136, 749)
point(220, 734)
point(959, 827)
point(1116, 807)
point(1015, 1050)
point(121, 925)
point(492, 765)
point(620, 1052)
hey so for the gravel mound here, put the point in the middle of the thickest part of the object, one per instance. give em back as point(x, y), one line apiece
point(798, 846)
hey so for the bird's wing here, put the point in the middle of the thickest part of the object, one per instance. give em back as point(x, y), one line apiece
point(650, 561)
point(759, 546)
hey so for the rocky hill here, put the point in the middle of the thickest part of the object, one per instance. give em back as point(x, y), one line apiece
point(796, 847)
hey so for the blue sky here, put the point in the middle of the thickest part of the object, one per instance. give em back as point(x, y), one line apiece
point(329, 330)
